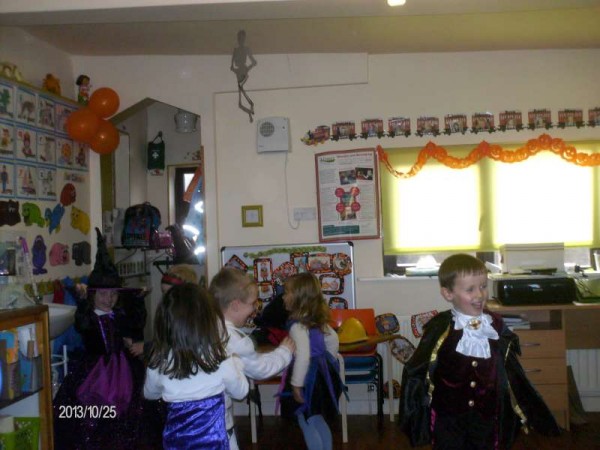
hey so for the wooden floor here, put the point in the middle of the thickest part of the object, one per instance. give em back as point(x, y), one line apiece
point(367, 433)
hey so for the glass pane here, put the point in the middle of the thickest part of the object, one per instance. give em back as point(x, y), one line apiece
point(187, 177)
point(543, 199)
point(438, 208)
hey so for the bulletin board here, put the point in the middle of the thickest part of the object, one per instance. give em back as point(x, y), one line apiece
point(44, 185)
point(348, 195)
point(271, 265)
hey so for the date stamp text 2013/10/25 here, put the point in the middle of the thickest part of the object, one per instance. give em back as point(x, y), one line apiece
point(87, 412)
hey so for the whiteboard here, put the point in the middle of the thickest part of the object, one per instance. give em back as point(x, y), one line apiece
point(270, 265)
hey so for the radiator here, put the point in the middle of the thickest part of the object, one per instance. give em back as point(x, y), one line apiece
point(586, 371)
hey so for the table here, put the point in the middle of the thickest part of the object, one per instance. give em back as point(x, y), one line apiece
point(554, 329)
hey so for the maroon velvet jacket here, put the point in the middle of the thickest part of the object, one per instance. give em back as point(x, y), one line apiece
point(463, 383)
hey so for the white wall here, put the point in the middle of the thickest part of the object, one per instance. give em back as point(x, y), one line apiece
point(321, 89)
point(35, 59)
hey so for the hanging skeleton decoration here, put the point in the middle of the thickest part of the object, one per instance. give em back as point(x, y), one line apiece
point(240, 67)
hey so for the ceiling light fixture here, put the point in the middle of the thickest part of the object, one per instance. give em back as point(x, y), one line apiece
point(185, 122)
point(396, 2)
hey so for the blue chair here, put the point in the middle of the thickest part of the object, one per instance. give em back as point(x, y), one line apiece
point(364, 365)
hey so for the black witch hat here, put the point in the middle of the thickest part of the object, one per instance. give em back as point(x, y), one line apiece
point(105, 274)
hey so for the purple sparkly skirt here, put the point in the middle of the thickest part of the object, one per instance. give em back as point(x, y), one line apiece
point(198, 424)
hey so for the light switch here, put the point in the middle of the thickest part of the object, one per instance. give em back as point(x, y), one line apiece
point(305, 214)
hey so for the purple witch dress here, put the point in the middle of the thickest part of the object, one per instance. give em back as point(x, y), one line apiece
point(322, 385)
point(100, 404)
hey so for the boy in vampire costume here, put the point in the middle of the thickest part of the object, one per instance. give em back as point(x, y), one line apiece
point(464, 387)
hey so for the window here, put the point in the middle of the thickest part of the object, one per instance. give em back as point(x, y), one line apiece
point(182, 178)
point(479, 208)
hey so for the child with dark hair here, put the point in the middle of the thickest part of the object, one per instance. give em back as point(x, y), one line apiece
point(190, 370)
point(464, 387)
point(312, 390)
point(109, 377)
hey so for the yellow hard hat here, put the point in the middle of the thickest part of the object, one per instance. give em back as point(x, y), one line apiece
point(351, 331)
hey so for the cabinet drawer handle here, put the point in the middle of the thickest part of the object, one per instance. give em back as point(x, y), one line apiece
point(531, 344)
point(533, 370)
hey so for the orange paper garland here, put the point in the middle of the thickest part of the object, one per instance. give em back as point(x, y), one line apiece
point(543, 143)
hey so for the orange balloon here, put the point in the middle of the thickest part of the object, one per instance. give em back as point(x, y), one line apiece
point(104, 102)
point(106, 140)
point(82, 124)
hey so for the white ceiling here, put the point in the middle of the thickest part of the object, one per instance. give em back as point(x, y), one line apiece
point(185, 27)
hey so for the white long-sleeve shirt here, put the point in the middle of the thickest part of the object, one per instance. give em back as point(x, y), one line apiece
point(299, 333)
point(228, 378)
point(257, 366)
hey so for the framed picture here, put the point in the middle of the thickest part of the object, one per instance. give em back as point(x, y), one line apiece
point(252, 216)
point(319, 262)
point(263, 270)
point(347, 195)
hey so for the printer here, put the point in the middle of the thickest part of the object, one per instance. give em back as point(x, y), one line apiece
point(533, 275)
point(514, 290)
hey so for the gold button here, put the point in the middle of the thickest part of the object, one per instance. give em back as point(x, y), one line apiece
point(471, 403)
point(473, 384)
point(474, 364)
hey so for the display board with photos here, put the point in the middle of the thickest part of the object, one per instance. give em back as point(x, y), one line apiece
point(44, 188)
point(34, 143)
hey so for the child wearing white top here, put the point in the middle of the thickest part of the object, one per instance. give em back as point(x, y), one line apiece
point(236, 294)
point(312, 391)
point(190, 370)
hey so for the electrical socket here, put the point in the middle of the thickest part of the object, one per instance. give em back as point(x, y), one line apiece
point(305, 214)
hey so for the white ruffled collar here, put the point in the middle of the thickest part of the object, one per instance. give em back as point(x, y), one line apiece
point(476, 332)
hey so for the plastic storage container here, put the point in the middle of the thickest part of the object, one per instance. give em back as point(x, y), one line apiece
point(25, 437)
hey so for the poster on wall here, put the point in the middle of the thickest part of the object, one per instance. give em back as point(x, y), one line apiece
point(46, 183)
point(46, 148)
point(7, 179)
point(7, 101)
point(44, 177)
point(26, 181)
point(26, 148)
point(348, 195)
point(7, 140)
